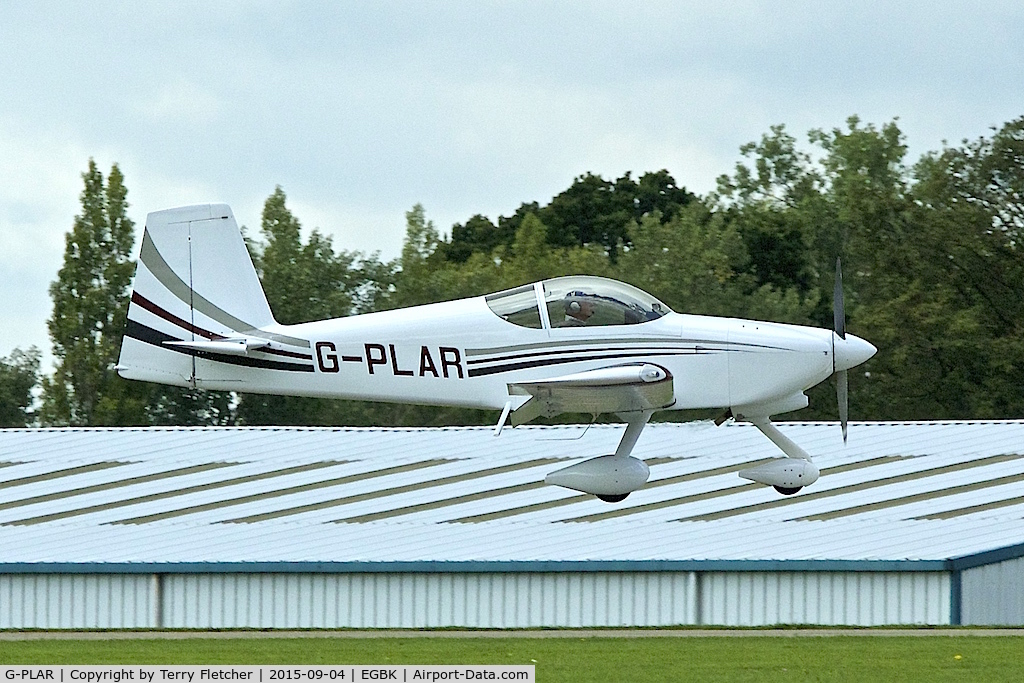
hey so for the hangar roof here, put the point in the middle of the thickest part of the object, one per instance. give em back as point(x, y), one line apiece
point(353, 498)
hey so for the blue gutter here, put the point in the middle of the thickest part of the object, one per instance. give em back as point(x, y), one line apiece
point(956, 564)
point(1010, 552)
point(473, 566)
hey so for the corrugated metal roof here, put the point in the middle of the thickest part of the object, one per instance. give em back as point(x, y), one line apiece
point(897, 491)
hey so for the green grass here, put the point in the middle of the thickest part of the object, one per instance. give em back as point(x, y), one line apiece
point(836, 658)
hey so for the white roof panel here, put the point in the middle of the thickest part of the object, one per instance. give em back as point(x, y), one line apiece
point(898, 491)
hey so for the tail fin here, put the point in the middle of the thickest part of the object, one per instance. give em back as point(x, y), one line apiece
point(195, 284)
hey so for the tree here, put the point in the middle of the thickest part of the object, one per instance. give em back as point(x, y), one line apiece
point(478, 235)
point(418, 279)
point(657, 191)
point(597, 212)
point(867, 190)
point(777, 207)
point(295, 295)
point(968, 212)
point(180, 406)
point(90, 302)
point(974, 197)
point(592, 212)
point(19, 375)
point(311, 281)
point(304, 282)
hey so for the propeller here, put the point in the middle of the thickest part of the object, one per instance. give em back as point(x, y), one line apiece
point(838, 307)
point(839, 325)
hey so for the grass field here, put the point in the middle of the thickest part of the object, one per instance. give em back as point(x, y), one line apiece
point(834, 658)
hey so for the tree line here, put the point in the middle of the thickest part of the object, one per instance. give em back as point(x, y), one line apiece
point(934, 276)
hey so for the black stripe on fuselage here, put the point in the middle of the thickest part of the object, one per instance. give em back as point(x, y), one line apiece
point(552, 346)
point(649, 350)
point(148, 335)
point(541, 362)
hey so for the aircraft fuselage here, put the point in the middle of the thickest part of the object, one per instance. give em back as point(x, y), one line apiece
point(421, 355)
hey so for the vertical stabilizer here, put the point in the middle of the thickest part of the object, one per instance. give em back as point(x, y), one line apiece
point(194, 282)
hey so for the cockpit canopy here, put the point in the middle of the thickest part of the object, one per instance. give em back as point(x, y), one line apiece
point(576, 301)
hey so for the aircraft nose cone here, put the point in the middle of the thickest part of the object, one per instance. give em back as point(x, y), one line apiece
point(851, 352)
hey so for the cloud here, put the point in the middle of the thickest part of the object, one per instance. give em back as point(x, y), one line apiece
point(181, 102)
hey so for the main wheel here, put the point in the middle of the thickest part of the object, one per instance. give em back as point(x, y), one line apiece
point(788, 490)
point(613, 498)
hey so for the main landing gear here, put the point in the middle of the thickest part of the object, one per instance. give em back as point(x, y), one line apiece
point(612, 498)
point(609, 477)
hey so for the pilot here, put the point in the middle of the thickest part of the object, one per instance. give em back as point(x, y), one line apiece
point(578, 309)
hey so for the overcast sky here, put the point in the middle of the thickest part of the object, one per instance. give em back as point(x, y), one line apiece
point(361, 110)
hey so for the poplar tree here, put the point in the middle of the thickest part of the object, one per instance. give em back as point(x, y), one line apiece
point(90, 303)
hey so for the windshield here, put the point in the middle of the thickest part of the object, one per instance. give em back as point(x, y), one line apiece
point(578, 301)
point(517, 306)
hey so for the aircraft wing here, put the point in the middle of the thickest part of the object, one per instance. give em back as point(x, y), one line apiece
point(617, 389)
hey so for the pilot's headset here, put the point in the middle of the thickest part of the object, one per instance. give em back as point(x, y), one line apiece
point(573, 301)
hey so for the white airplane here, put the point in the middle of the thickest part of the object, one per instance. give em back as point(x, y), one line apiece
point(199, 318)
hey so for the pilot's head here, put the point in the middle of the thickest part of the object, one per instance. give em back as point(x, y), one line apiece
point(579, 305)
